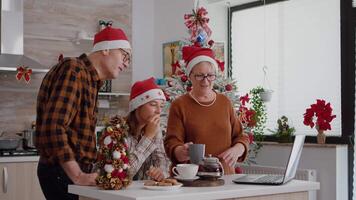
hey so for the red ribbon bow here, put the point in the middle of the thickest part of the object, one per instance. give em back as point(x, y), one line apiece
point(198, 19)
point(24, 72)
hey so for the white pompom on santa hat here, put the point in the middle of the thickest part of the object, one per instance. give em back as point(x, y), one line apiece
point(110, 38)
point(193, 55)
point(143, 92)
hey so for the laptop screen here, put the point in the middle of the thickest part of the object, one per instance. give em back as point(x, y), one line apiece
point(294, 158)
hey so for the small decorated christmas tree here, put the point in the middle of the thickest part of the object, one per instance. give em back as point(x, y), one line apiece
point(113, 157)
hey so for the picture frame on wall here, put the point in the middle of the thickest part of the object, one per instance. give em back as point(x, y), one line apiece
point(219, 50)
point(171, 54)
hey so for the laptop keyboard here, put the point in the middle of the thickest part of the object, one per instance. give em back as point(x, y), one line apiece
point(269, 179)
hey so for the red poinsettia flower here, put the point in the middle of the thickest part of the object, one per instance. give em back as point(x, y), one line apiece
point(244, 99)
point(247, 116)
point(323, 113)
point(251, 137)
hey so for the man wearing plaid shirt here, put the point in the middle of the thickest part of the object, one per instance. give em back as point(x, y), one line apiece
point(66, 113)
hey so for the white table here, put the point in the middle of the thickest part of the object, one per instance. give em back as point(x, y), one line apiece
point(294, 190)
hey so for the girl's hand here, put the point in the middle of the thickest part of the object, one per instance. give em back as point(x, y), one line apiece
point(155, 173)
point(152, 127)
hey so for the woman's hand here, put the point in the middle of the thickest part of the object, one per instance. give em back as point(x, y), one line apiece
point(155, 173)
point(182, 152)
point(152, 127)
point(232, 154)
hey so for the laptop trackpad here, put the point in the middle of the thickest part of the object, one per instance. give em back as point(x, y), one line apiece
point(249, 177)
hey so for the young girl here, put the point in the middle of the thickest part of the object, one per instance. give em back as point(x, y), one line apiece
point(148, 158)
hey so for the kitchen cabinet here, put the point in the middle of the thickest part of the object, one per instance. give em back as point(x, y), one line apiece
point(18, 180)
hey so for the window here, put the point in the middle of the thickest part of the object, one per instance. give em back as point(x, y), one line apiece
point(299, 42)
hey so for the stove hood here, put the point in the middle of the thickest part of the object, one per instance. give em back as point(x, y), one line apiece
point(11, 52)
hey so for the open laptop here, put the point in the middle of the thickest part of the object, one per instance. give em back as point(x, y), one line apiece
point(291, 169)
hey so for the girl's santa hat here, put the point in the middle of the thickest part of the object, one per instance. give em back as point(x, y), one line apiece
point(193, 55)
point(143, 92)
point(110, 38)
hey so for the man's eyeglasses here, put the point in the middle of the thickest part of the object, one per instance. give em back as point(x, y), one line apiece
point(209, 77)
point(127, 57)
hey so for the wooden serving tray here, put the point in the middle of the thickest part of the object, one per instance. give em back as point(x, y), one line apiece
point(203, 183)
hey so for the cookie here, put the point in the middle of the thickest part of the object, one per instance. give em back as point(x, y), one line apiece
point(164, 184)
point(150, 183)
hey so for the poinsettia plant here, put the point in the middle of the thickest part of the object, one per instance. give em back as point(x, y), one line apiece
point(249, 119)
point(319, 115)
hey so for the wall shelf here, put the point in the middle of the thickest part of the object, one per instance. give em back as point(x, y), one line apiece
point(14, 69)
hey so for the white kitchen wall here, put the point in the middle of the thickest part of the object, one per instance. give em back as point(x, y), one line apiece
point(142, 39)
point(154, 23)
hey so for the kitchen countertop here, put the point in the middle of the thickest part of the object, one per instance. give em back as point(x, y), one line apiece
point(12, 159)
point(136, 191)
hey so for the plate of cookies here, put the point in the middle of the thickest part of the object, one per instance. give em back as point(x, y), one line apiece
point(165, 184)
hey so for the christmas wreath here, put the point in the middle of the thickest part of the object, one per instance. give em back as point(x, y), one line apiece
point(113, 157)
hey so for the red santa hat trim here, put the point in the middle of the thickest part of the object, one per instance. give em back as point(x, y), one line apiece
point(143, 92)
point(110, 38)
point(193, 55)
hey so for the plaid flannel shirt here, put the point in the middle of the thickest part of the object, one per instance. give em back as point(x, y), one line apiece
point(66, 112)
point(145, 153)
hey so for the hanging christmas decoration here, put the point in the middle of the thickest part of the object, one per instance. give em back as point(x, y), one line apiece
point(103, 24)
point(113, 156)
point(24, 72)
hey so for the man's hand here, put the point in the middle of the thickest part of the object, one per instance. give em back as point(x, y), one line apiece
point(75, 174)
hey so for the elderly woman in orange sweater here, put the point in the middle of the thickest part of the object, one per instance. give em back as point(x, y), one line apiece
point(204, 116)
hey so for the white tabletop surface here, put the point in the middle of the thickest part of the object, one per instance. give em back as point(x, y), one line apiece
point(136, 191)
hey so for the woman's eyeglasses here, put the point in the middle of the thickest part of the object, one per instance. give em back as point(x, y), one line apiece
point(209, 77)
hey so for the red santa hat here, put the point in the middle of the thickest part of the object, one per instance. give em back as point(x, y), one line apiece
point(110, 38)
point(193, 55)
point(143, 92)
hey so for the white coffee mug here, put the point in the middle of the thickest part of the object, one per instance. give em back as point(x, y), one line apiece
point(185, 171)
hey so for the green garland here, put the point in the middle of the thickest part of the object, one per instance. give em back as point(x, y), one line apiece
point(261, 115)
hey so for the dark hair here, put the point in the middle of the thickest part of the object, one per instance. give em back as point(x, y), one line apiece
point(132, 122)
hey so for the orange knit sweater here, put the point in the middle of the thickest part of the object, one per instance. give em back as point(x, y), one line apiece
point(215, 126)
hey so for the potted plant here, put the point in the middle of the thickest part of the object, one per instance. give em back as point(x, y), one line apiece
point(319, 115)
point(258, 105)
point(265, 94)
point(283, 132)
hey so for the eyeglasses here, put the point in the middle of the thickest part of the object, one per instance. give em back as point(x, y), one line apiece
point(209, 77)
point(127, 57)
